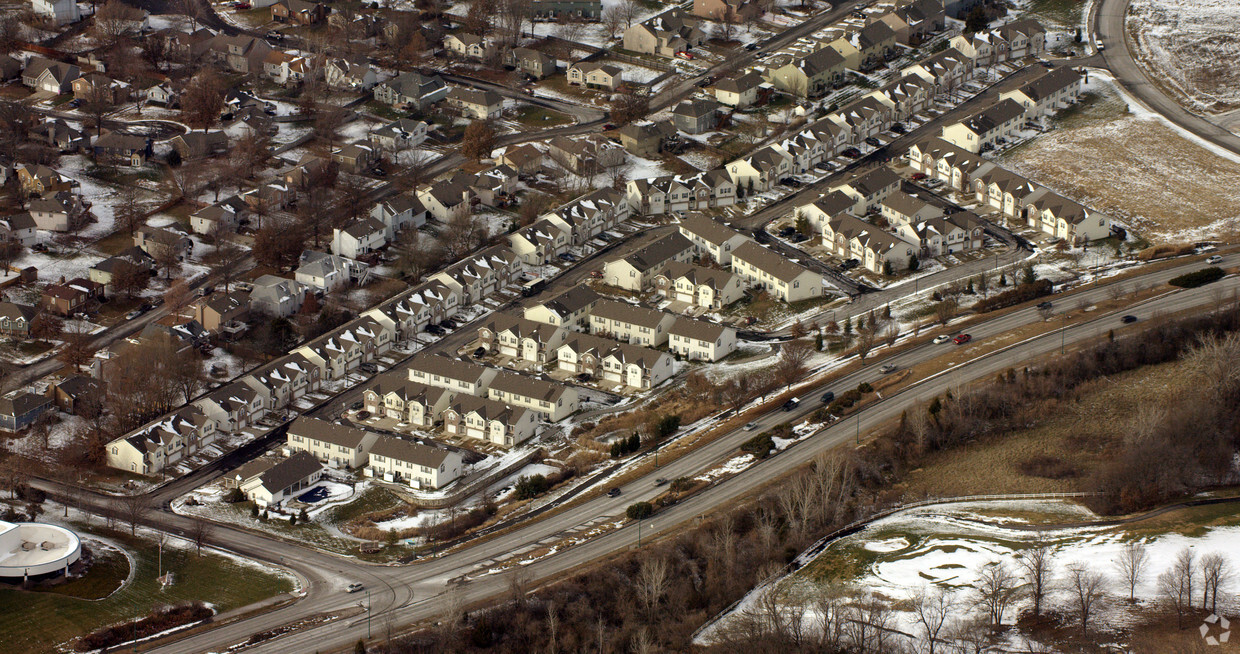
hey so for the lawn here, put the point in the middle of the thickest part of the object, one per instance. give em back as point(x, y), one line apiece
point(61, 616)
point(539, 117)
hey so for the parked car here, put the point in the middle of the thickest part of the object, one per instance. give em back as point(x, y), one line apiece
point(567, 257)
point(962, 339)
point(356, 406)
point(790, 181)
point(607, 126)
point(1128, 319)
point(873, 141)
point(684, 54)
point(583, 377)
point(851, 153)
point(941, 338)
point(787, 231)
point(750, 426)
point(887, 368)
point(828, 397)
point(354, 587)
point(1214, 259)
point(368, 367)
point(850, 264)
point(275, 36)
point(362, 415)
point(824, 166)
point(480, 352)
point(436, 330)
point(614, 492)
point(75, 103)
point(898, 128)
point(133, 314)
point(917, 177)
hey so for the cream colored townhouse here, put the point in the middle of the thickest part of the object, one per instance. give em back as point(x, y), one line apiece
point(787, 281)
point(630, 323)
point(335, 444)
point(551, 400)
point(699, 340)
point(423, 467)
point(490, 420)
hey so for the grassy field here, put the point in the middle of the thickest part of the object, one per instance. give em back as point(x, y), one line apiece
point(1057, 14)
point(64, 614)
point(540, 118)
point(1136, 169)
point(1082, 433)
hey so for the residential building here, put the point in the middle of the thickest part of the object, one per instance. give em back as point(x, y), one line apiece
point(363, 236)
point(811, 75)
point(68, 298)
point(569, 309)
point(299, 12)
point(97, 87)
point(150, 449)
point(984, 129)
point(468, 45)
point(37, 179)
point(392, 395)
point(595, 75)
point(411, 90)
point(421, 466)
point(706, 288)
point(637, 367)
point(355, 157)
point(555, 9)
point(766, 269)
point(947, 70)
point(698, 340)
point(870, 189)
point(241, 54)
point(631, 323)
point(78, 395)
point(490, 420)
point(1058, 88)
point(19, 409)
point(447, 200)
point(551, 400)
point(121, 149)
point(398, 135)
point(225, 216)
point(646, 138)
point(162, 241)
point(453, 374)
point(1025, 38)
point(59, 211)
point(15, 319)
point(740, 92)
point(762, 169)
point(583, 353)
point(43, 74)
point(1058, 216)
point(196, 145)
point(665, 35)
point(20, 228)
point(60, 11)
point(525, 158)
point(958, 232)
point(711, 238)
point(103, 271)
point(540, 242)
point(337, 445)
point(276, 296)
point(901, 208)
point(587, 155)
point(350, 73)
point(531, 62)
point(521, 338)
point(677, 193)
point(697, 115)
point(734, 11)
point(635, 272)
point(220, 310)
point(234, 406)
point(478, 105)
point(284, 480)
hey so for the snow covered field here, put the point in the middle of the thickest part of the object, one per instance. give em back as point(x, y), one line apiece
point(1191, 47)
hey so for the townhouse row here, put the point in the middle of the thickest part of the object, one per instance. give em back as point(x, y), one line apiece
point(386, 457)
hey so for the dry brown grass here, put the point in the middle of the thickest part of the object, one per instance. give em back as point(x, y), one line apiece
point(1139, 170)
point(1081, 434)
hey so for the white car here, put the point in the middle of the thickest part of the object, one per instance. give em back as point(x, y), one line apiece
point(751, 426)
point(1214, 259)
point(354, 587)
point(942, 338)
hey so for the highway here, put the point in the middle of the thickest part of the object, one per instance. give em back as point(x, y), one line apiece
point(412, 592)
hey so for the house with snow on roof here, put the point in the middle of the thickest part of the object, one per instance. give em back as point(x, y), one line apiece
point(489, 420)
point(635, 271)
point(761, 170)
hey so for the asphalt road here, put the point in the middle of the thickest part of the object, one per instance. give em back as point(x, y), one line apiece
point(413, 592)
point(1108, 20)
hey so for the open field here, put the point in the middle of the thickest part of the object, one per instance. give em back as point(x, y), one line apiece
point(1136, 168)
point(73, 609)
point(1189, 50)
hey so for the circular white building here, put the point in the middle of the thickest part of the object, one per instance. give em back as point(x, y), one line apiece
point(31, 549)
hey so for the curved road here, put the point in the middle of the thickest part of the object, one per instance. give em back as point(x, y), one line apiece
point(413, 592)
point(1108, 19)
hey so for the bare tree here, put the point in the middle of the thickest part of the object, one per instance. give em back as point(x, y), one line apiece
point(1037, 569)
point(613, 19)
point(652, 581)
point(932, 608)
point(478, 140)
point(199, 533)
point(113, 23)
point(793, 363)
point(630, 10)
point(866, 336)
point(127, 211)
point(1176, 584)
point(203, 100)
point(869, 624)
point(946, 309)
point(133, 508)
point(1087, 589)
point(997, 588)
point(1215, 575)
point(1132, 565)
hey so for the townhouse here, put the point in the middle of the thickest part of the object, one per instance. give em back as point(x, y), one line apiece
point(447, 200)
point(671, 193)
point(490, 420)
point(727, 10)
point(570, 309)
point(15, 319)
point(869, 189)
point(582, 354)
point(282, 481)
point(906, 97)
point(481, 275)
point(947, 70)
point(1025, 38)
point(699, 340)
point(452, 374)
point(595, 75)
point(863, 118)
point(923, 17)
point(540, 242)
point(1003, 190)
point(552, 401)
point(942, 160)
point(329, 272)
point(423, 467)
point(335, 444)
point(393, 395)
point(666, 35)
point(520, 338)
point(554, 9)
point(411, 90)
point(849, 237)
point(901, 208)
point(876, 42)
point(630, 323)
point(276, 296)
point(592, 214)
point(711, 238)
point(343, 350)
point(763, 268)
point(1058, 88)
point(636, 271)
point(1058, 216)
point(637, 367)
point(762, 169)
point(811, 75)
point(986, 128)
point(151, 449)
point(807, 150)
point(957, 232)
point(707, 288)
point(825, 208)
point(286, 380)
point(234, 406)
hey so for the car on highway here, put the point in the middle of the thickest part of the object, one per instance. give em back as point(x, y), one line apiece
point(1045, 305)
point(354, 587)
point(962, 339)
point(1128, 319)
point(917, 177)
point(851, 153)
point(1214, 259)
point(828, 397)
point(941, 338)
point(480, 352)
point(750, 426)
point(792, 403)
point(887, 368)
point(614, 492)
point(660, 482)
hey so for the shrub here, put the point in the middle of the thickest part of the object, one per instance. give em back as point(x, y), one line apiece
point(639, 511)
point(864, 387)
point(235, 495)
point(529, 487)
point(681, 484)
point(1047, 466)
point(1022, 293)
point(759, 446)
point(161, 619)
point(1198, 278)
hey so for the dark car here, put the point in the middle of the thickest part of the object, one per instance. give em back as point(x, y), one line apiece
point(751, 47)
point(660, 482)
point(356, 405)
point(74, 104)
point(898, 128)
point(799, 237)
point(362, 415)
point(1045, 305)
point(583, 377)
point(703, 83)
point(791, 404)
point(850, 264)
point(368, 367)
point(448, 324)
point(851, 153)
point(788, 231)
point(614, 492)
point(567, 257)
point(917, 177)
point(480, 352)
point(435, 329)
point(873, 141)
point(609, 125)
point(824, 166)
point(1128, 319)
point(828, 397)
point(790, 181)
point(1048, 64)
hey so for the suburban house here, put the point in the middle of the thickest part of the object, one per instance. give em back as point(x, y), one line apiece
point(957, 232)
point(165, 442)
point(521, 338)
point(196, 145)
point(665, 35)
point(986, 128)
point(923, 18)
point(284, 480)
point(51, 76)
point(452, 374)
point(400, 134)
point(761, 170)
point(710, 237)
point(241, 54)
point(226, 216)
point(707, 288)
point(531, 62)
point(647, 138)
point(569, 309)
point(467, 45)
point(421, 466)
point(697, 115)
point(392, 395)
point(447, 200)
point(525, 158)
point(97, 87)
point(276, 296)
point(399, 212)
point(595, 75)
point(299, 12)
point(19, 228)
point(337, 445)
point(37, 179)
point(68, 298)
point(698, 340)
point(586, 155)
point(61, 12)
point(1058, 88)
point(221, 310)
point(161, 241)
point(739, 92)
point(78, 394)
point(61, 211)
point(411, 90)
point(551, 400)
point(727, 10)
point(631, 323)
point(15, 319)
point(64, 137)
point(103, 271)
point(766, 269)
point(121, 149)
point(636, 271)
point(163, 94)
point(489, 420)
point(351, 73)
point(540, 242)
point(479, 105)
point(287, 68)
point(869, 189)
point(329, 272)
point(363, 236)
point(18, 409)
point(637, 367)
point(355, 157)
point(902, 208)
point(810, 75)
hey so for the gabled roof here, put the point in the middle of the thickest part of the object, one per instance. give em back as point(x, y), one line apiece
point(994, 116)
point(471, 96)
point(1053, 81)
point(658, 251)
point(772, 263)
point(447, 367)
point(525, 386)
point(289, 471)
point(740, 84)
point(708, 229)
point(697, 108)
point(409, 452)
point(698, 330)
point(573, 300)
point(628, 313)
point(328, 432)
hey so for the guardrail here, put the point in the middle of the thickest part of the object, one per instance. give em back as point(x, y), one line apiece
point(853, 527)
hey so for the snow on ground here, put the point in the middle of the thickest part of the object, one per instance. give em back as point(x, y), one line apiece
point(1191, 47)
point(640, 168)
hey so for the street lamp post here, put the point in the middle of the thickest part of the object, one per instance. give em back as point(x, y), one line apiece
point(1063, 332)
point(858, 427)
point(368, 607)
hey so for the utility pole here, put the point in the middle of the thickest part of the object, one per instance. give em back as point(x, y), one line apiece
point(368, 607)
point(1063, 332)
point(858, 426)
